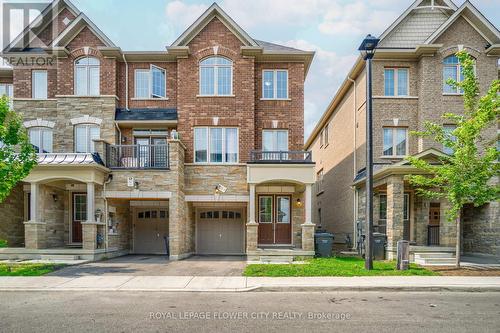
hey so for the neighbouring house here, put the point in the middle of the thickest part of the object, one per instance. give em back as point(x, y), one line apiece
point(192, 150)
point(415, 57)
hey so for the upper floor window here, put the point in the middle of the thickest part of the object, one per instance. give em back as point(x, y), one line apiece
point(84, 137)
point(216, 145)
point(275, 84)
point(448, 130)
point(41, 139)
point(395, 141)
point(87, 76)
point(452, 70)
point(326, 135)
point(7, 90)
point(151, 83)
point(396, 81)
point(319, 182)
point(39, 84)
point(216, 77)
point(275, 140)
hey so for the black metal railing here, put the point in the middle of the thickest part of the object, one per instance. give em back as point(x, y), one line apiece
point(432, 235)
point(259, 156)
point(137, 156)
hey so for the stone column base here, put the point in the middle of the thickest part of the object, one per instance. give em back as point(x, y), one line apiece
point(35, 236)
point(252, 236)
point(308, 236)
point(89, 234)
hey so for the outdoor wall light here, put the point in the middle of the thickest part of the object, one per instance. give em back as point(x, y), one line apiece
point(54, 197)
point(136, 185)
point(298, 203)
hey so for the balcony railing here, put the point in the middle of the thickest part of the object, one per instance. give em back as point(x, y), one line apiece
point(137, 156)
point(291, 157)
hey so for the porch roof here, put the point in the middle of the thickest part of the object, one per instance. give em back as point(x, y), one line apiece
point(69, 159)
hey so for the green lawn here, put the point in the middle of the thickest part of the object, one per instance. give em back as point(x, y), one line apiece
point(20, 269)
point(335, 266)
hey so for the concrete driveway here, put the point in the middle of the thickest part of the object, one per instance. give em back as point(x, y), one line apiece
point(147, 265)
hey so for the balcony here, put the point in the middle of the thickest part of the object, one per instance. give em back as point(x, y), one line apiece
point(280, 157)
point(138, 157)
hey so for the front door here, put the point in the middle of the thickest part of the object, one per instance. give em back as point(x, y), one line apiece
point(151, 231)
point(159, 152)
point(142, 152)
point(275, 219)
point(79, 216)
point(434, 220)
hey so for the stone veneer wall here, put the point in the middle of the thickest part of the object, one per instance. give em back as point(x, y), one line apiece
point(202, 179)
point(12, 218)
point(123, 239)
point(53, 215)
point(481, 229)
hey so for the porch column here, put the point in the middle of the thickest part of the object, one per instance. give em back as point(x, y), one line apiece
point(395, 204)
point(90, 202)
point(308, 226)
point(252, 225)
point(35, 230)
point(89, 227)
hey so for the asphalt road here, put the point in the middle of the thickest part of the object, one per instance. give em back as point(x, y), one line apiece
point(249, 312)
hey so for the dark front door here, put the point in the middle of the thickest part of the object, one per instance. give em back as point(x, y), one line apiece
point(434, 220)
point(79, 216)
point(275, 219)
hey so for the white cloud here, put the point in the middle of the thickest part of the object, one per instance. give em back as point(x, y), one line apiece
point(180, 15)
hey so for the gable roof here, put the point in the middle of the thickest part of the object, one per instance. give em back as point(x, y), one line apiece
point(428, 154)
point(475, 18)
point(213, 11)
point(75, 27)
point(46, 17)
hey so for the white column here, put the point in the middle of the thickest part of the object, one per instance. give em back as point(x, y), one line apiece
point(308, 202)
point(35, 192)
point(251, 204)
point(90, 202)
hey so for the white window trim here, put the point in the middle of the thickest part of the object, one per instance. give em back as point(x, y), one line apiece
point(89, 141)
point(276, 130)
point(223, 146)
point(86, 119)
point(216, 78)
point(39, 123)
point(42, 128)
point(396, 80)
point(88, 76)
point(150, 85)
point(394, 129)
point(320, 182)
point(33, 86)
point(275, 85)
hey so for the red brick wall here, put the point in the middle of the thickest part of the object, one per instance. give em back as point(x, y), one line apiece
point(234, 111)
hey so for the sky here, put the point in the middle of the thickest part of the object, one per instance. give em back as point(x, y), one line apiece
point(332, 28)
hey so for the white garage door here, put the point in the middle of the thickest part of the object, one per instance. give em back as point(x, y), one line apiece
point(220, 232)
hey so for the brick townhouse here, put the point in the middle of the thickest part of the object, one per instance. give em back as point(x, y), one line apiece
point(415, 56)
point(196, 149)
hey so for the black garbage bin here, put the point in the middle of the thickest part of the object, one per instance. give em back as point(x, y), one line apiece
point(323, 244)
point(379, 243)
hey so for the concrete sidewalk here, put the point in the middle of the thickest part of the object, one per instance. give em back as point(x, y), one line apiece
point(241, 284)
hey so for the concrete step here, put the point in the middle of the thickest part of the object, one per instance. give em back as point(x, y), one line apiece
point(425, 255)
point(436, 261)
point(277, 259)
point(59, 257)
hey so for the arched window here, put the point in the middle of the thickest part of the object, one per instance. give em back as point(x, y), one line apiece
point(216, 77)
point(84, 136)
point(452, 70)
point(41, 139)
point(87, 76)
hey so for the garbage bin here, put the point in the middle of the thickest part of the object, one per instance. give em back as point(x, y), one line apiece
point(379, 242)
point(323, 244)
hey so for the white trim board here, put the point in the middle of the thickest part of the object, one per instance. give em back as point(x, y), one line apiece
point(218, 198)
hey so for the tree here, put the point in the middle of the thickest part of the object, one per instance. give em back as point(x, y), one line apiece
point(17, 155)
point(470, 174)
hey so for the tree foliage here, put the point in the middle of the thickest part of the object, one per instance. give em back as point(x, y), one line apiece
point(469, 174)
point(17, 155)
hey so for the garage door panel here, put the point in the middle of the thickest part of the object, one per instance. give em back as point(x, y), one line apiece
point(219, 234)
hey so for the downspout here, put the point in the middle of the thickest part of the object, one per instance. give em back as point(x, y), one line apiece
point(106, 214)
point(355, 164)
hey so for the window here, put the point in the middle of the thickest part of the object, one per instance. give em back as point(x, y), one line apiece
point(275, 208)
point(382, 207)
point(41, 139)
point(151, 83)
point(452, 70)
point(216, 77)
point(448, 129)
point(39, 84)
point(396, 81)
point(265, 209)
point(395, 141)
point(326, 135)
point(275, 84)
point(87, 77)
point(319, 182)
point(84, 136)
point(283, 209)
point(7, 90)
point(275, 140)
point(216, 145)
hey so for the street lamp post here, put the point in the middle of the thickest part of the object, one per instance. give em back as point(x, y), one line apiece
point(367, 49)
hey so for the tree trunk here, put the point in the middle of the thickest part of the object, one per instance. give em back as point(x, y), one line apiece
point(457, 250)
